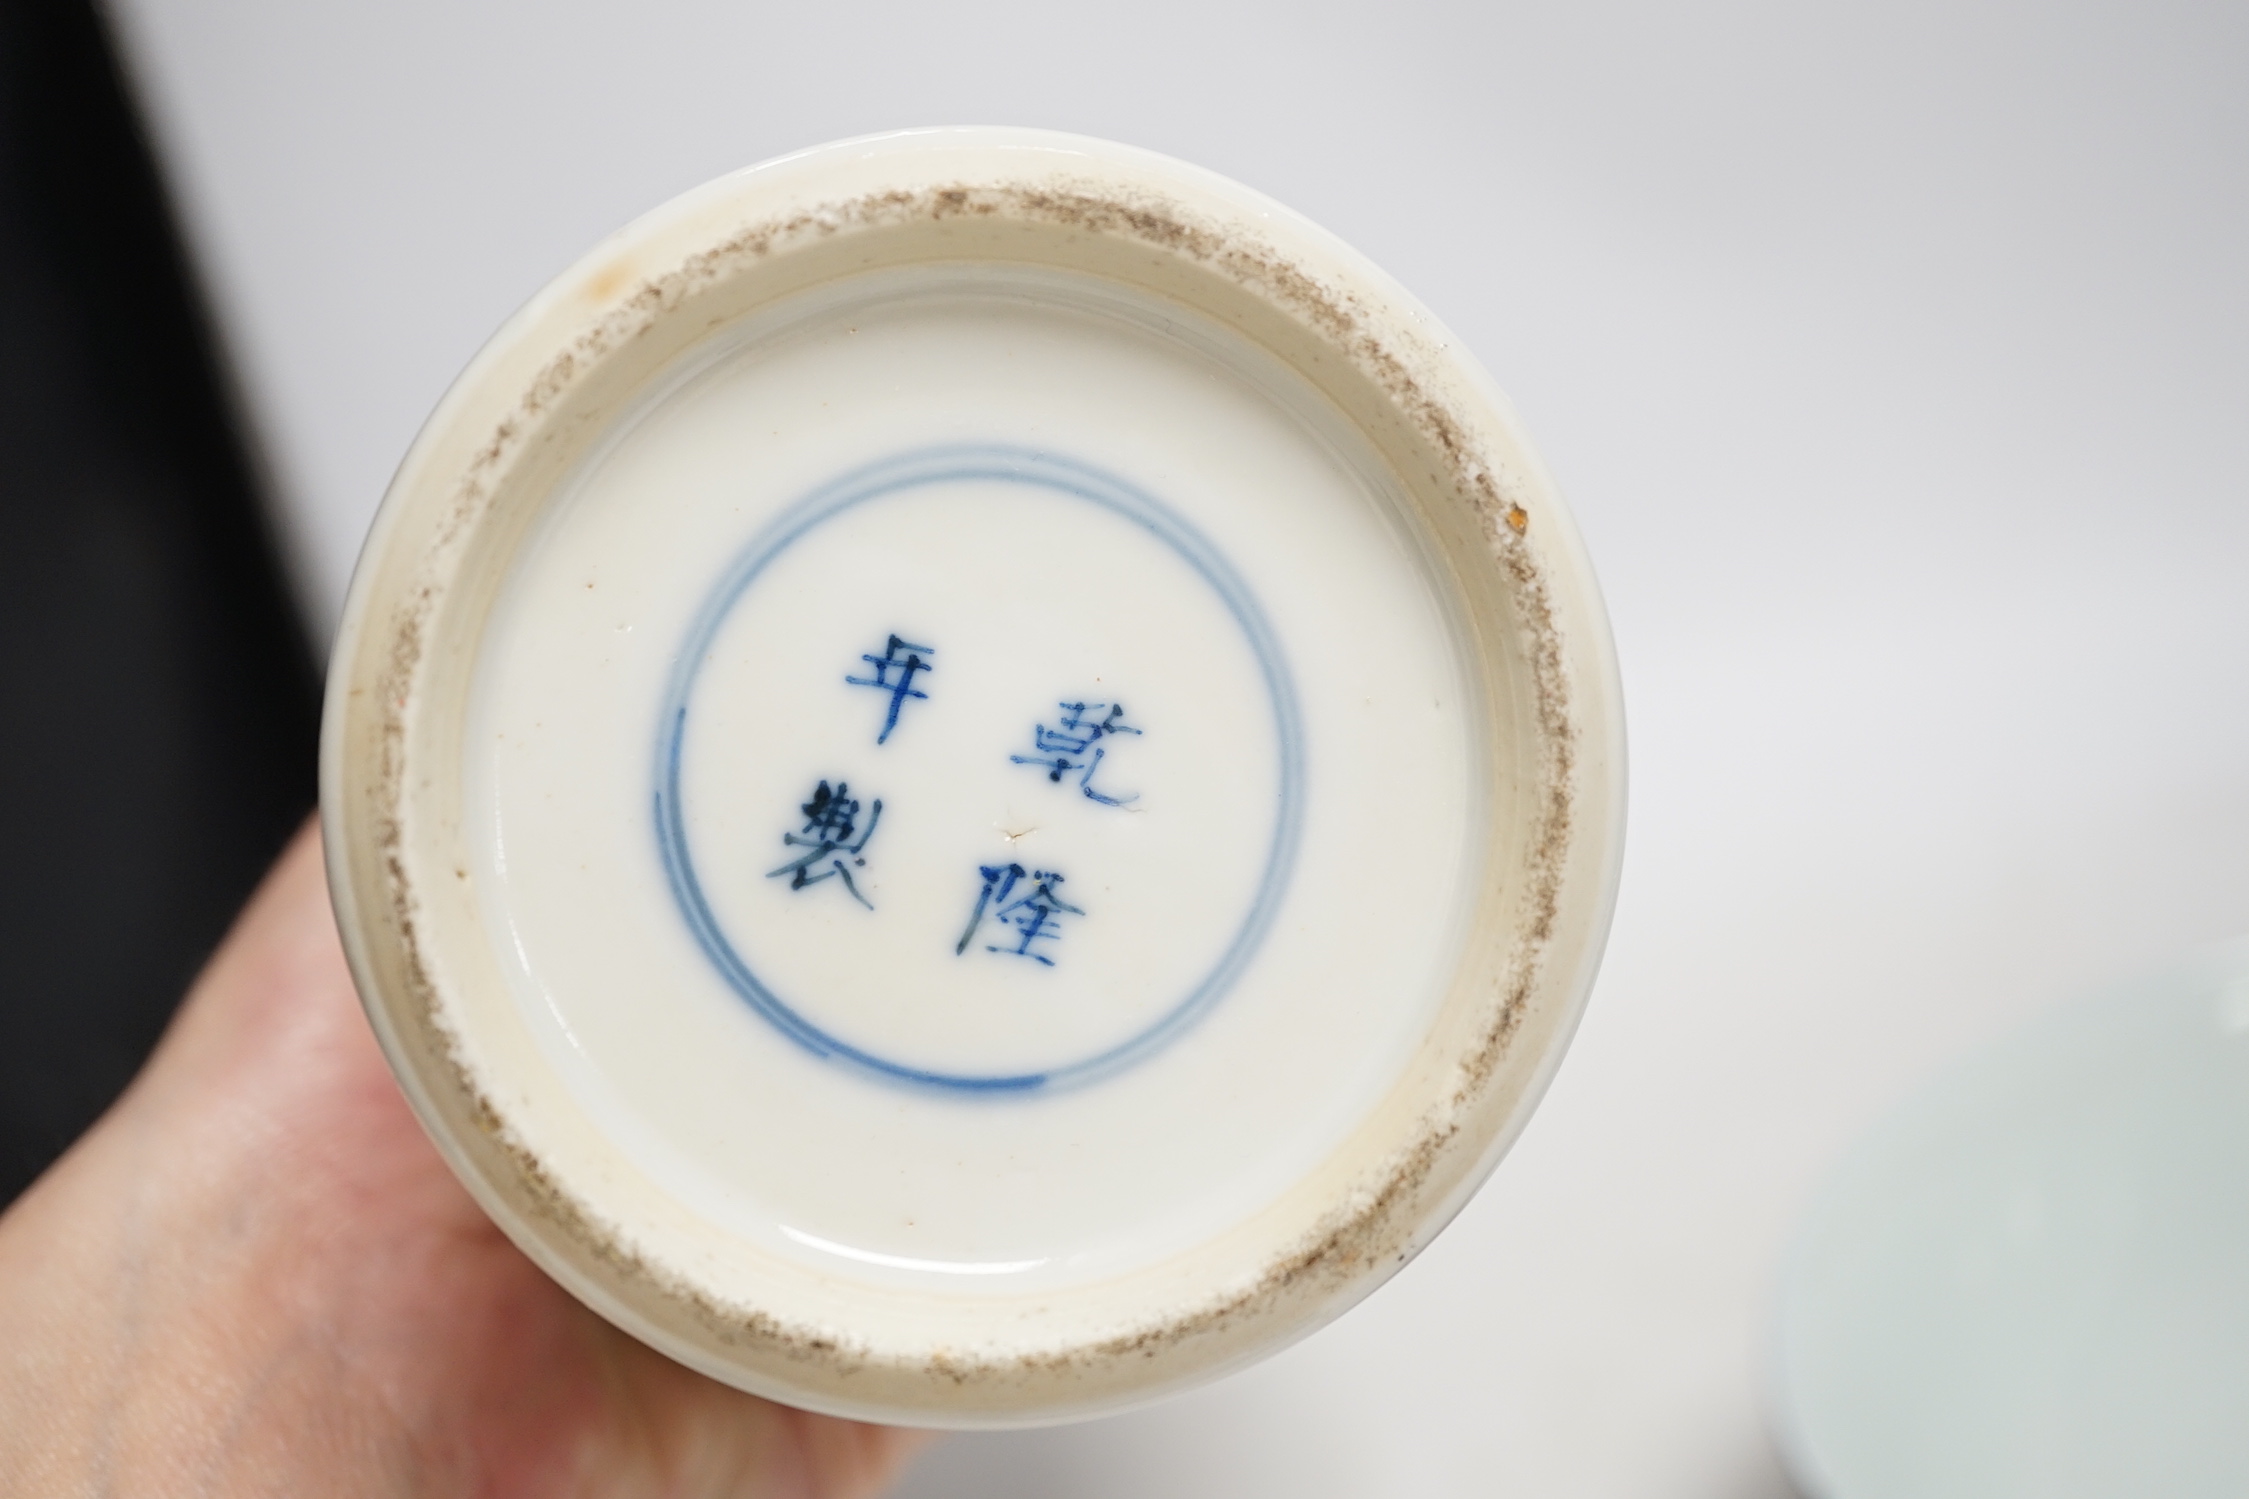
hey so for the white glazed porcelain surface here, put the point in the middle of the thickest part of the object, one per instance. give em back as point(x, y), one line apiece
point(1193, 989)
point(2034, 1281)
point(971, 778)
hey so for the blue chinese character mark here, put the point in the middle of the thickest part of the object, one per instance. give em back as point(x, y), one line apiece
point(831, 819)
point(900, 687)
point(1080, 731)
point(1031, 915)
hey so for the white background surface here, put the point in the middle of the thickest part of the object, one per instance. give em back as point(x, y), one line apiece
point(1894, 356)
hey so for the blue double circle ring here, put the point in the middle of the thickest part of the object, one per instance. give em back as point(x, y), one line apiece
point(951, 465)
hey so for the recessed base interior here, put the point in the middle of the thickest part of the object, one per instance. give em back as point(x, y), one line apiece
point(1179, 777)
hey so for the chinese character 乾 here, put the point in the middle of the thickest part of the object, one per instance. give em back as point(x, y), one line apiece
point(830, 819)
point(1081, 730)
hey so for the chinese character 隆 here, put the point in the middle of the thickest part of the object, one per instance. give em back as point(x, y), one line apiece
point(831, 821)
point(1031, 914)
point(1082, 729)
point(904, 658)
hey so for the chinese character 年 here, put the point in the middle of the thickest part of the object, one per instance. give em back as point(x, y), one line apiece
point(904, 658)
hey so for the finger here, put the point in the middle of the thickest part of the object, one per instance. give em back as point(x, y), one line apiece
point(694, 1438)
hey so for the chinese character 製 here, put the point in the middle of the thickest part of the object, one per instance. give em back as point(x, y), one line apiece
point(1082, 728)
point(831, 819)
point(904, 658)
point(1031, 914)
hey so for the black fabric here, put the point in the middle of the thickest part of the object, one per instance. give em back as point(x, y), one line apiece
point(158, 703)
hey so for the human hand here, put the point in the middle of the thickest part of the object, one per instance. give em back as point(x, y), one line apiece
point(254, 1276)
